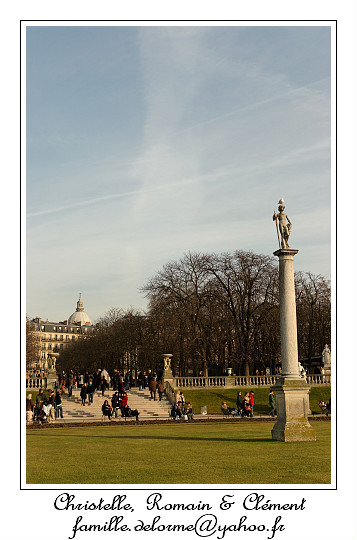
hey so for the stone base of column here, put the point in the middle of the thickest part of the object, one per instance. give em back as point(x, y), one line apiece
point(168, 376)
point(292, 406)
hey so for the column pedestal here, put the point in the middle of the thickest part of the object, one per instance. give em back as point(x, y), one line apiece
point(51, 378)
point(292, 406)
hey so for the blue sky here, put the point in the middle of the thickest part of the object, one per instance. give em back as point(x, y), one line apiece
point(144, 143)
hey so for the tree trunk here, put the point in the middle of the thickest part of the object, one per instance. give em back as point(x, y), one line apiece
point(246, 369)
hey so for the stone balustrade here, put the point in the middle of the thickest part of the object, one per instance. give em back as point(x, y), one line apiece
point(36, 382)
point(240, 381)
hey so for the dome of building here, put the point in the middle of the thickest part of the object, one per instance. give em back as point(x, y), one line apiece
point(79, 316)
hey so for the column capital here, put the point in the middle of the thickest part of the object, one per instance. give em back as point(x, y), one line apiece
point(285, 251)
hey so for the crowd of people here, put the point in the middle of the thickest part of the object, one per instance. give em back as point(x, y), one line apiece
point(244, 405)
point(103, 380)
point(47, 407)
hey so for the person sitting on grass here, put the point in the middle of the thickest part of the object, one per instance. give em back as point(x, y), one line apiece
point(176, 411)
point(228, 410)
point(106, 409)
point(189, 411)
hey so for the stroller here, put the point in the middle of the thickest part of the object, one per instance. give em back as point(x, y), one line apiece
point(127, 412)
point(42, 416)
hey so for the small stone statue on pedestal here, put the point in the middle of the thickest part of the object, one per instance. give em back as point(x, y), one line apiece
point(326, 356)
point(167, 367)
point(284, 225)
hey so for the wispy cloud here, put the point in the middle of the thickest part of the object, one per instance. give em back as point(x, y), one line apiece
point(107, 198)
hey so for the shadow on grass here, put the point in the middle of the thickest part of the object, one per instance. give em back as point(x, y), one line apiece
point(168, 438)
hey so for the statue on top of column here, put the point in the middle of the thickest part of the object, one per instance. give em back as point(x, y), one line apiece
point(284, 225)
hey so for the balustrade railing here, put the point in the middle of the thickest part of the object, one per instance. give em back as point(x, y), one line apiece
point(36, 383)
point(240, 380)
point(169, 391)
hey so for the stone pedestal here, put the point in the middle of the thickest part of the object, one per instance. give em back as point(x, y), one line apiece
point(230, 381)
point(51, 378)
point(292, 406)
point(168, 376)
point(291, 391)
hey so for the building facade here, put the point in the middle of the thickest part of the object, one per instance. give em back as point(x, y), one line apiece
point(54, 336)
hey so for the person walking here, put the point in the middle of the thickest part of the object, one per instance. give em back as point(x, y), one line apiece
point(116, 403)
point(103, 385)
point(51, 401)
point(141, 381)
point(160, 389)
point(58, 402)
point(90, 391)
point(70, 383)
point(40, 400)
point(251, 402)
point(153, 388)
point(271, 403)
point(240, 403)
point(84, 394)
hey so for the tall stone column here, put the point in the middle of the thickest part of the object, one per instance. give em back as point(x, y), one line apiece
point(291, 390)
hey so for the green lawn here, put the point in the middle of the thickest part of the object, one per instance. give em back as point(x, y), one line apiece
point(236, 453)
point(213, 398)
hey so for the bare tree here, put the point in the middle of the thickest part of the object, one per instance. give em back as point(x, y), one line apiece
point(32, 344)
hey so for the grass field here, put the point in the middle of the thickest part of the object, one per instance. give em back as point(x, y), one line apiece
point(213, 398)
point(223, 453)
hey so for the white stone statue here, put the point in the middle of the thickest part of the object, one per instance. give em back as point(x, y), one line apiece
point(167, 361)
point(284, 225)
point(326, 356)
point(302, 371)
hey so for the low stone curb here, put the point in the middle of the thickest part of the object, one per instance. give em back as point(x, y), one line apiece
point(207, 420)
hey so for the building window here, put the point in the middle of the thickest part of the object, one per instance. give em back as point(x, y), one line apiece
point(61, 346)
point(61, 337)
point(67, 338)
point(49, 346)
